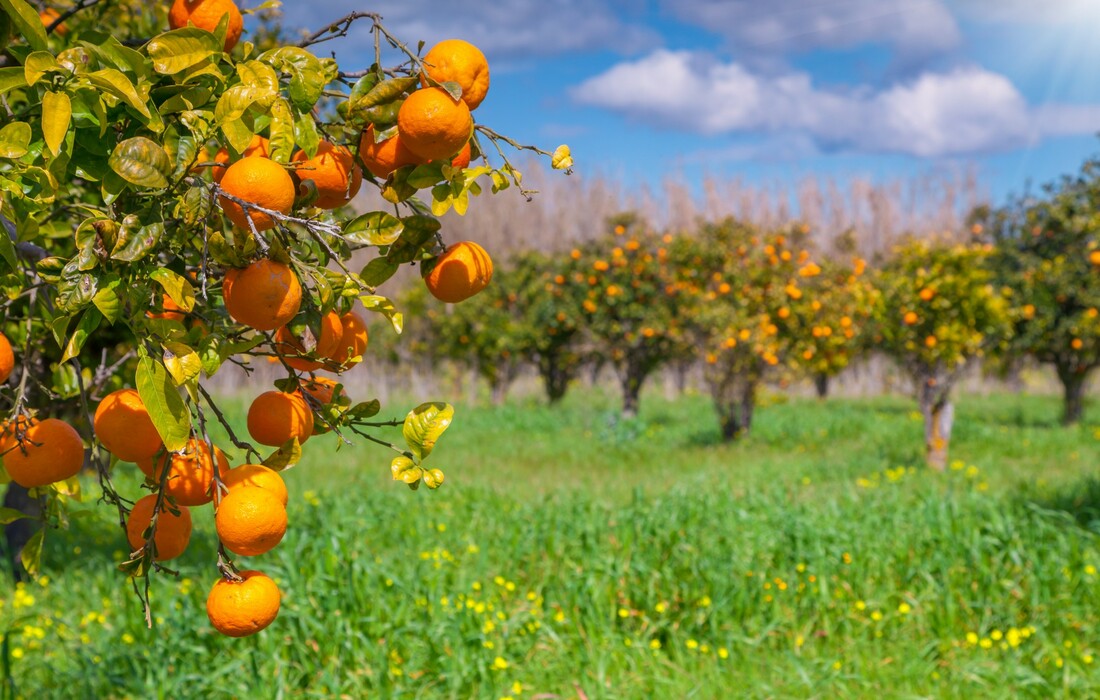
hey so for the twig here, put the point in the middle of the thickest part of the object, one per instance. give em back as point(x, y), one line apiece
point(338, 29)
point(81, 5)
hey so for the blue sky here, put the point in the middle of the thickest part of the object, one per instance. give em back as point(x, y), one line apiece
point(775, 90)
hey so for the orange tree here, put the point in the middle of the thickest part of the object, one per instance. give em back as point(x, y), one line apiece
point(833, 333)
point(749, 306)
point(484, 333)
point(939, 311)
point(630, 307)
point(1048, 254)
point(551, 294)
point(174, 199)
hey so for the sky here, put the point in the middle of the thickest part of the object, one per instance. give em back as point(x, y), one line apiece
point(773, 90)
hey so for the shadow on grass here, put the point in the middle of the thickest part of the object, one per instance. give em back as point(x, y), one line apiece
point(1079, 500)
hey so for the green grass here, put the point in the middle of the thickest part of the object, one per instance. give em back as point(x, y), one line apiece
point(569, 552)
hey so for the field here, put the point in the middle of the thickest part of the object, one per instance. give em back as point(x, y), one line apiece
point(571, 555)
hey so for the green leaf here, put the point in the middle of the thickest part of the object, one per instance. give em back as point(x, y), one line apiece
point(89, 321)
point(210, 354)
point(378, 271)
point(166, 408)
point(305, 133)
point(385, 92)
point(116, 83)
point(182, 362)
point(375, 228)
point(365, 409)
point(31, 557)
point(10, 515)
point(11, 78)
point(175, 286)
point(135, 239)
point(108, 303)
point(57, 114)
point(424, 425)
point(180, 49)
point(285, 457)
point(281, 131)
point(25, 21)
point(425, 175)
point(384, 306)
point(15, 140)
point(419, 231)
point(142, 162)
point(307, 75)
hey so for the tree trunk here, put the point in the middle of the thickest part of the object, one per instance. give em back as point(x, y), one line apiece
point(555, 377)
point(821, 385)
point(939, 417)
point(632, 390)
point(20, 532)
point(1073, 392)
point(734, 402)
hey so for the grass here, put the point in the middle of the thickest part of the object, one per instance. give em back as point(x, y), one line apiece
point(570, 553)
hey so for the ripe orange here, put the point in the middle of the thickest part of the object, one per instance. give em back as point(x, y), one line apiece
point(7, 358)
point(260, 181)
point(173, 531)
point(334, 173)
point(1094, 257)
point(321, 389)
point(275, 417)
point(250, 520)
point(190, 473)
point(327, 338)
point(169, 310)
point(462, 160)
point(910, 318)
point(353, 339)
point(258, 476)
point(383, 158)
point(123, 425)
point(265, 295)
point(461, 62)
point(51, 451)
point(48, 17)
point(206, 14)
point(462, 271)
point(238, 609)
point(259, 146)
point(434, 125)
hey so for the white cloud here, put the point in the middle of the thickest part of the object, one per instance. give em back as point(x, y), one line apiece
point(1028, 11)
point(503, 28)
point(963, 111)
point(912, 27)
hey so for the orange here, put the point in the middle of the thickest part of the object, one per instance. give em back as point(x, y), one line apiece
point(259, 146)
point(48, 17)
point(321, 389)
point(334, 173)
point(462, 160)
point(275, 417)
point(353, 339)
point(327, 338)
point(1094, 257)
point(190, 473)
point(461, 62)
point(434, 125)
point(256, 475)
point(241, 608)
point(173, 531)
point(383, 158)
point(206, 14)
point(462, 271)
point(171, 310)
point(7, 358)
point(123, 426)
point(250, 520)
point(51, 451)
point(910, 318)
point(260, 181)
point(265, 295)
